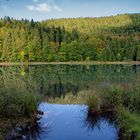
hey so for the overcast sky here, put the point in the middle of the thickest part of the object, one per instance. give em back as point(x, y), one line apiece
point(46, 9)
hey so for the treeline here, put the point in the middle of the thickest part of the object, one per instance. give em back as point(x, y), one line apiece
point(115, 38)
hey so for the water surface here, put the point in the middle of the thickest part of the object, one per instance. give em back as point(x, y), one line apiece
point(68, 122)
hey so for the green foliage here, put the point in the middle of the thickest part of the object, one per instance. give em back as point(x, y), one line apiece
point(87, 25)
point(129, 122)
point(114, 38)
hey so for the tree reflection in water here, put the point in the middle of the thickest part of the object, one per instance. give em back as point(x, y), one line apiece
point(29, 131)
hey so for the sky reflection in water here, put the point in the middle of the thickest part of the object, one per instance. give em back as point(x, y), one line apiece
point(66, 122)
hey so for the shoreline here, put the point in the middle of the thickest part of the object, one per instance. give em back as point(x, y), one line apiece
point(72, 63)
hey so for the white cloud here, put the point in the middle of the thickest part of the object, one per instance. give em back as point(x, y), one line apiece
point(44, 7)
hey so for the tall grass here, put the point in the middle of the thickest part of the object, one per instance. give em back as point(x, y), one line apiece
point(129, 122)
point(14, 103)
point(82, 97)
point(16, 107)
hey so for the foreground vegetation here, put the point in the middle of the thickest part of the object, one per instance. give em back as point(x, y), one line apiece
point(16, 108)
point(124, 104)
point(104, 88)
point(114, 38)
point(18, 105)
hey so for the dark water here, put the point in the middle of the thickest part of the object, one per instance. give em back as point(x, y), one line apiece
point(69, 84)
point(68, 122)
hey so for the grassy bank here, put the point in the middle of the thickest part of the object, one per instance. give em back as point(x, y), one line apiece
point(18, 107)
point(125, 104)
point(129, 122)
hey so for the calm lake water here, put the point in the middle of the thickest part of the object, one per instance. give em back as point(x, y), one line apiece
point(60, 85)
point(69, 122)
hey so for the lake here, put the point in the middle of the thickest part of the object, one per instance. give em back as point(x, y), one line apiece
point(62, 92)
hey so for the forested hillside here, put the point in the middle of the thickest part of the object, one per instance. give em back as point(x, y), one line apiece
point(114, 38)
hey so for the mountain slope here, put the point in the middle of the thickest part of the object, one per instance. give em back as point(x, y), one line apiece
point(114, 38)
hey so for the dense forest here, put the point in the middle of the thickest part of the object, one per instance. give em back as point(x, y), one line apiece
point(114, 38)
